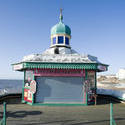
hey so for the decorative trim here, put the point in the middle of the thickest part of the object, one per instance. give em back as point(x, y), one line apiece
point(32, 65)
point(59, 72)
point(39, 65)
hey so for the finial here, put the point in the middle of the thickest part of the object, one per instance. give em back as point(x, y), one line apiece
point(61, 16)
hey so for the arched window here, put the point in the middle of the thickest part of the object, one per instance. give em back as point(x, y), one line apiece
point(67, 40)
point(54, 40)
point(60, 40)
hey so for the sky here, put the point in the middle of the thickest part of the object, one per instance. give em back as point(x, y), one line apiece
point(97, 26)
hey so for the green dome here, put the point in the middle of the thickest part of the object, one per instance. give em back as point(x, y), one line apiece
point(60, 28)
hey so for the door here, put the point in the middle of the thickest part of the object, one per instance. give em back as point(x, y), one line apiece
point(59, 90)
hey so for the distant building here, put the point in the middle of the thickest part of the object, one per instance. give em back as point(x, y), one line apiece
point(60, 75)
point(121, 74)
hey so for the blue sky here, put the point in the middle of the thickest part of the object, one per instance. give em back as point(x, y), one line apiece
point(98, 28)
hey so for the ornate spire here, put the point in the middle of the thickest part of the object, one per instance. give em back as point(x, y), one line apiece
point(61, 16)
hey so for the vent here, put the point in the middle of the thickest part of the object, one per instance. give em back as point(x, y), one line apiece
point(56, 50)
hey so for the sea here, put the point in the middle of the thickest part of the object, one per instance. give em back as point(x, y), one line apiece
point(9, 86)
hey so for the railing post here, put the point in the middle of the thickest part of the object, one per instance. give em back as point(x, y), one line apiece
point(4, 113)
point(111, 114)
point(112, 121)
